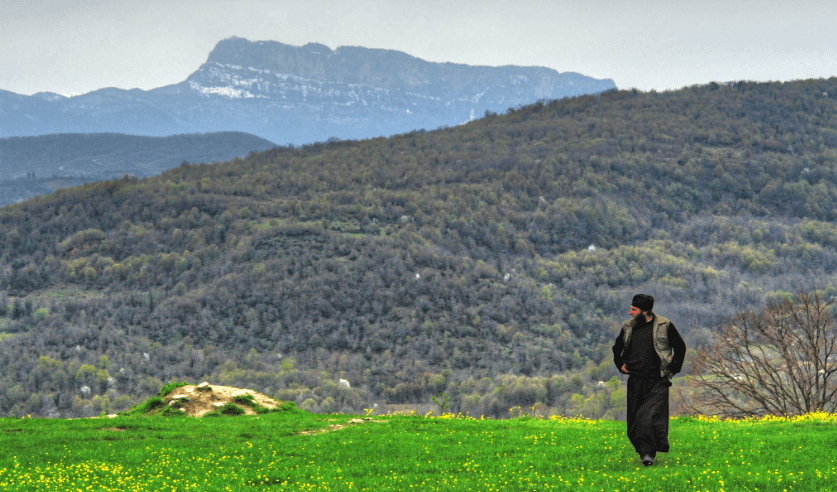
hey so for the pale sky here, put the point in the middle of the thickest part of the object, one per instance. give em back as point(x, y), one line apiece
point(73, 46)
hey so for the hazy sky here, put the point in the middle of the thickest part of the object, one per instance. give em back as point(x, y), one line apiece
point(69, 46)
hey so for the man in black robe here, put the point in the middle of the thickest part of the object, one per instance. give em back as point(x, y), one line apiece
point(650, 350)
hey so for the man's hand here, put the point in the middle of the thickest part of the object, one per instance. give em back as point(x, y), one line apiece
point(624, 369)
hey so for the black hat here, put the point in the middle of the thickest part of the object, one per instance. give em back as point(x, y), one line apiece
point(643, 302)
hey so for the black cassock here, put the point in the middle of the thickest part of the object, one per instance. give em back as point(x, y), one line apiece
point(648, 414)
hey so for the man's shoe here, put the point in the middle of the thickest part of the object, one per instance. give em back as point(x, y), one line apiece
point(647, 460)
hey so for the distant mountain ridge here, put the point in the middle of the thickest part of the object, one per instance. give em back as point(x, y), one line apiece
point(393, 71)
point(297, 95)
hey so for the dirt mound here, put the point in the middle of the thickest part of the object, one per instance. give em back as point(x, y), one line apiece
point(198, 400)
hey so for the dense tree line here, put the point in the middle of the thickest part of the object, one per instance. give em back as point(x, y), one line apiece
point(504, 248)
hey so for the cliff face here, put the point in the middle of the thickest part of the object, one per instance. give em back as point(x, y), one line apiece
point(290, 94)
point(389, 70)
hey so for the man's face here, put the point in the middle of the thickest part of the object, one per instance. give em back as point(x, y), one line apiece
point(634, 311)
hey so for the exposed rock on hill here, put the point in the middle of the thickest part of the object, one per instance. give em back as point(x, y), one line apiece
point(199, 400)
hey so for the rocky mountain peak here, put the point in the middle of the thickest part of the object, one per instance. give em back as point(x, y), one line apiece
point(394, 70)
point(304, 61)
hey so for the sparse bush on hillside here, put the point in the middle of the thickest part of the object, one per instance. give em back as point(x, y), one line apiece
point(148, 406)
point(231, 409)
point(165, 390)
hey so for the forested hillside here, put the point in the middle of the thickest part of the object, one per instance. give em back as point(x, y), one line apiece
point(494, 261)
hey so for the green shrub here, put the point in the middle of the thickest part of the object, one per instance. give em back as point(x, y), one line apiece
point(247, 399)
point(231, 409)
point(172, 411)
point(145, 407)
point(171, 387)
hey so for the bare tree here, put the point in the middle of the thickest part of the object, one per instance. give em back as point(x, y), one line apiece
point(780, 360)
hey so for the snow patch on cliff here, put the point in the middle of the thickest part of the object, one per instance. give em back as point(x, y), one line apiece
point(225, 91)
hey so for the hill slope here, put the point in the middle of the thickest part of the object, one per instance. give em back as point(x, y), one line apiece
point(426, 261)
point(36, 165)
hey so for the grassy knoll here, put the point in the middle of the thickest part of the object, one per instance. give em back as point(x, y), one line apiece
point(294, 450)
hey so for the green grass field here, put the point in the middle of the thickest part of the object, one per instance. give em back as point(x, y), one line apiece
point(295, 450)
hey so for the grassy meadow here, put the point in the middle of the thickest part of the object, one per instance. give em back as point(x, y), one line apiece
point(299, 451)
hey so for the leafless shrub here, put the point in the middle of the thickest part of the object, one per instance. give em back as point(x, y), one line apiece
point(779, 360)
